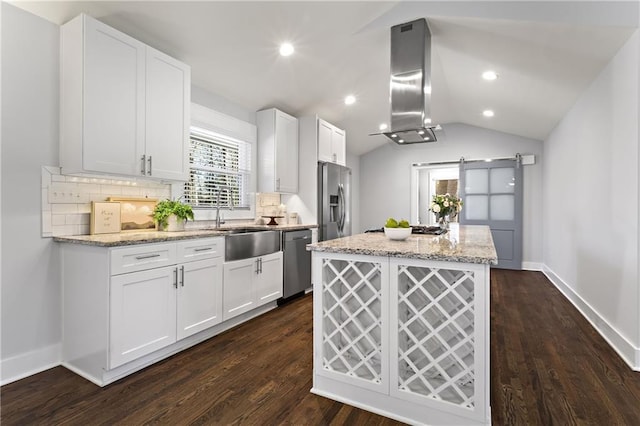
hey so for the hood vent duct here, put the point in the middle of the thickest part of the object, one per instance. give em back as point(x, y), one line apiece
point(411, 84)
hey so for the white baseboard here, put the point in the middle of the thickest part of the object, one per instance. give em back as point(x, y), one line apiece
point(532, 266)
point(629, 353)
point(24, 365)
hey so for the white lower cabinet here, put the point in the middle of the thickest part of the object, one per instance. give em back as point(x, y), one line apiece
point(154, 308)
point(199, 304)
point(238, 288)
point(250, 283)
point(127, 307)
point(142, 314)
point(268, 283)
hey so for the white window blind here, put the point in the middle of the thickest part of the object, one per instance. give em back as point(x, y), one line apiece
point(218, 165)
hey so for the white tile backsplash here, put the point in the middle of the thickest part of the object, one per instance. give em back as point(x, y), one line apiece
point(64, 208)
point(66, 200)
point(46, 222)
point(58, 219)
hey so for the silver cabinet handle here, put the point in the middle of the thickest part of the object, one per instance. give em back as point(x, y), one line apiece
point(148, 256)
point(175, 277)
point(257, 266)
point(143, 169)
point(203, 249)
point(149, 171)
point(260, 264)
point(182, 276)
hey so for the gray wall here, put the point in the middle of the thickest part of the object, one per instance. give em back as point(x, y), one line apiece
point(385, 174)
point(590, 206)
point(30, 292)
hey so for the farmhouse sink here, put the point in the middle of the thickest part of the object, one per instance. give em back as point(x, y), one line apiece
point(242, 230)
point(246, 243)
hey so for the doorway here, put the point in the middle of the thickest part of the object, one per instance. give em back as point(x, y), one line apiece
point(427, 182)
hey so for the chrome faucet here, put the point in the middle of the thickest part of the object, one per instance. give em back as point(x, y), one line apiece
point(230, 205)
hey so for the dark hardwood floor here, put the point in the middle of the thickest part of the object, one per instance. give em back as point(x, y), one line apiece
point(548, 367)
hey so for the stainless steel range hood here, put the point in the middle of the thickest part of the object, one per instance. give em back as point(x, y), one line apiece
point(411, 84)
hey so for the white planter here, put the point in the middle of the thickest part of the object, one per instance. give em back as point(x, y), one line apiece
point(174, 224)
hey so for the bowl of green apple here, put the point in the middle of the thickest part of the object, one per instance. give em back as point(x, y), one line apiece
point(397, 230)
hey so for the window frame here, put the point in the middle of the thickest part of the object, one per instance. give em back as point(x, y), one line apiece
point(230, 128)
point(207, 137)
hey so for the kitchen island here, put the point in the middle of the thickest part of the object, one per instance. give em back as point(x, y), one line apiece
point(401, 328)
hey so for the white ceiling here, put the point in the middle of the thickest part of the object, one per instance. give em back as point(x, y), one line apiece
point(546, 54)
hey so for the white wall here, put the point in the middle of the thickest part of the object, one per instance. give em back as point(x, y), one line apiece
point(590, 186)
point(31, 328)
point(385, 176)
point(223, 105)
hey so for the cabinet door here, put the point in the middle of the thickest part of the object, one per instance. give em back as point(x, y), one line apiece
point(339, 146)
point(167, 116)
point(142, 314)
point(199, 296)
point(325, 150)
point(113, 100)
point(238, 287)
point(286, 153)
point(268, 280)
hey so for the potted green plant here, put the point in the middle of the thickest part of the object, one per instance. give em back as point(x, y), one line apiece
point(171, 215)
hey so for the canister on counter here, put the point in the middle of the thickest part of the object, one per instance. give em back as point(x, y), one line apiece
point(293, 218)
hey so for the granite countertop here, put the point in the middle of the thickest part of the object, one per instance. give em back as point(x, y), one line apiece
point(150, 237)
point(463, 243)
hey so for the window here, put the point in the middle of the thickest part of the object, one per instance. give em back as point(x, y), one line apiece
point(219, 166)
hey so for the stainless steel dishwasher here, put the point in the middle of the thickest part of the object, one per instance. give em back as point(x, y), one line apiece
point(297, 261)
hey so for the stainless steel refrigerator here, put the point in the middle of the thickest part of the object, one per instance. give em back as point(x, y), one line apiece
point(334, 201)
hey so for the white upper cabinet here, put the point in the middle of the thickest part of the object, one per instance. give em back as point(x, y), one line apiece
point(277, 151)
point(331, 143)
point(124, 106)
point(168, 94)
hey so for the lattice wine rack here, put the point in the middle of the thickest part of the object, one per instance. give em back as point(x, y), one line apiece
point(436, 334)
point(352, 327)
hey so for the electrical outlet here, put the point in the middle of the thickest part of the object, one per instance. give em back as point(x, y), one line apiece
point(66, 194)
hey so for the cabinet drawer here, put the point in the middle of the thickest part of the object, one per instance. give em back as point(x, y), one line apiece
point(202, 248)
point(139, 258)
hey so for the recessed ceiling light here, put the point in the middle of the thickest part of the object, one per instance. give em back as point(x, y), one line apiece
point(350, 100)
point(488, 113)
point(489, 75)
point(286, 49)
point(394, 135)
point(383, 126)
point(421, 132)
point(401, 141)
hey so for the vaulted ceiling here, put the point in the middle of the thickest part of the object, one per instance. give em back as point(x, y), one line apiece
point(546, 54)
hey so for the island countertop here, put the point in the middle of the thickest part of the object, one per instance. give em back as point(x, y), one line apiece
point(150, 237)
point(462, 243)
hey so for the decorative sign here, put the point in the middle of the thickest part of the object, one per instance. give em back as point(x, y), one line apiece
point(135, 213)
point(105, 218)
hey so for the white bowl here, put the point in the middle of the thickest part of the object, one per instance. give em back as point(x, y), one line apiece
point(397, 233)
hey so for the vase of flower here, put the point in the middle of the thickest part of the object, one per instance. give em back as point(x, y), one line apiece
point(443, 221)
point(445, 207)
